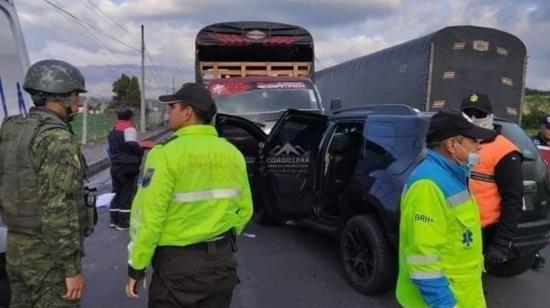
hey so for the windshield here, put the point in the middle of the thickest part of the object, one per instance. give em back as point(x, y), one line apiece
point(258, 101)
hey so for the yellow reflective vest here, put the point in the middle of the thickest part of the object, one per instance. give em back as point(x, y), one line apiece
point(194, 188)
point(440, 243)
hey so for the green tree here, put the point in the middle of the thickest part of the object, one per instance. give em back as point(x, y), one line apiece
point(535, 107)
point(134, 93)
point(127, 92)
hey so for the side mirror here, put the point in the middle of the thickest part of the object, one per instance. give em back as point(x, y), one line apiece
point(335, 103)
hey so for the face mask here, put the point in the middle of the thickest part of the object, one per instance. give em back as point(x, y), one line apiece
point(486, 122)
point(66, 102)
point(473, 159)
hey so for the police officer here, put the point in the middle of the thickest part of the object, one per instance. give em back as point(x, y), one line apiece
point(543, 137)
point(41, 195)
point(440, 243)
point(496, 183)
point(125, 154)
point(193, 200)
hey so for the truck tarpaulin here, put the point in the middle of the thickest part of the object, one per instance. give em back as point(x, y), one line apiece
point(435, 72)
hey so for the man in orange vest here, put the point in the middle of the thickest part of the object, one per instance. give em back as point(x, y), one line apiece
point(496, 183)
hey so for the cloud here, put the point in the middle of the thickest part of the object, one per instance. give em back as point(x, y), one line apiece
point(342, 29)
point(339, 49)
point(307, 12)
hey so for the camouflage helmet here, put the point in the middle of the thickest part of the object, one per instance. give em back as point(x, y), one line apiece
point(55, 77)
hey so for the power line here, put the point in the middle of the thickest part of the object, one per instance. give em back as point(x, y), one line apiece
point(88, 25)
point(89, 36)
point(121, 29)
point(98, 43)
point(153, 65)
point(108, 17)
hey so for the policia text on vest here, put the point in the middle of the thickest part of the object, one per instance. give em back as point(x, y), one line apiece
point(194, 199)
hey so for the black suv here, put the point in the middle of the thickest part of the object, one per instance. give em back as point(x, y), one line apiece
point(344, 174)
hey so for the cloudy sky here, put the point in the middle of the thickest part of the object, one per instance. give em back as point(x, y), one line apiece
point(342, 29)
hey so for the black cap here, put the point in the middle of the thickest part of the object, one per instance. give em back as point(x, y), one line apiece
point(124, 114)
point(446, 124)
point(477, 101)
point(545, 121)
point(193, 94)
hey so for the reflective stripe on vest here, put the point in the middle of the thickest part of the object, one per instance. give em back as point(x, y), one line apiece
point(458, 199)
point(419, 259)
point(482, 181)
point(423, 275)
point(206, 195)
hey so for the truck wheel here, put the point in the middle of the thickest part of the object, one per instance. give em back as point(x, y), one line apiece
point(369, 261)
point(512, 267)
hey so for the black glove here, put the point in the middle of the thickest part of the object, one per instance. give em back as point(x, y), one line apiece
point(539, 263)
point(497, 252)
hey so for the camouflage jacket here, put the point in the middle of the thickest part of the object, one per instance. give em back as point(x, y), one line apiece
point(58, 160)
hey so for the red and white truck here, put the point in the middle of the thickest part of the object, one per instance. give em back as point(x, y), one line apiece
point(257, 70)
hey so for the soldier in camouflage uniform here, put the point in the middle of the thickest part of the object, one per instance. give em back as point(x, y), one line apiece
point(42, 199)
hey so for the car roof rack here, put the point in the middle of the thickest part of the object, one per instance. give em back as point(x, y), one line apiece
point(391, 109)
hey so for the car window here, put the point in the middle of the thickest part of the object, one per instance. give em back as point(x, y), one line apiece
point(241, 138)
point(300, 131)
point(515, 134)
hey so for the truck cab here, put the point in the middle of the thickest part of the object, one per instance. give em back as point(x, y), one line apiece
point(264, 99)
point(257, 69)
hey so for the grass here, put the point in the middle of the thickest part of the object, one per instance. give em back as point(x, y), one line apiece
point(99, 125)
point(531, 131)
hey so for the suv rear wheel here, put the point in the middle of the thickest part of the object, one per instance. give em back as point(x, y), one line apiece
point(369, 261)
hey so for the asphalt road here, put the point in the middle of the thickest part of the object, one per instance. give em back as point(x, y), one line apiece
point(284, 266)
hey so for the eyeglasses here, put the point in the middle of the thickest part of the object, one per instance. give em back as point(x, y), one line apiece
point(475, 113)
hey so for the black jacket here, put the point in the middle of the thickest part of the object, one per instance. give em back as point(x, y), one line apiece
point(539, 140)
point(124, 149)
point(509, 180)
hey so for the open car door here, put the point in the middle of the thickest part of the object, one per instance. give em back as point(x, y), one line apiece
point(287, 167)
point(243, 134)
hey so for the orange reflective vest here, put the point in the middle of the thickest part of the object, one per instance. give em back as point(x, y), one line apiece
point(482, 179)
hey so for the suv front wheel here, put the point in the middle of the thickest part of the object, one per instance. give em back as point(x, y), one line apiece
point(369, 261)
point(513, 267)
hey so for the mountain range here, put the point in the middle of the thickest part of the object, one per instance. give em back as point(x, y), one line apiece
point(158, 79)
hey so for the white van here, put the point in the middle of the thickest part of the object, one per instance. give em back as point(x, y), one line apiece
point(14, 61)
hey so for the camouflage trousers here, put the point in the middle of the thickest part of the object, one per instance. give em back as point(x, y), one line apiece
point(35, 281)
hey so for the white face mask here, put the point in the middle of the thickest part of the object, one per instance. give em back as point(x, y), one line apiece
point(486, 122)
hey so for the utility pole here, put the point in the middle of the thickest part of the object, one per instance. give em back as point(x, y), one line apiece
point(142, 122)
point(173, 84)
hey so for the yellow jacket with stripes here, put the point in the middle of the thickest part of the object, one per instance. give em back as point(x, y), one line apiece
point(194, 188)
point(440, 244)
